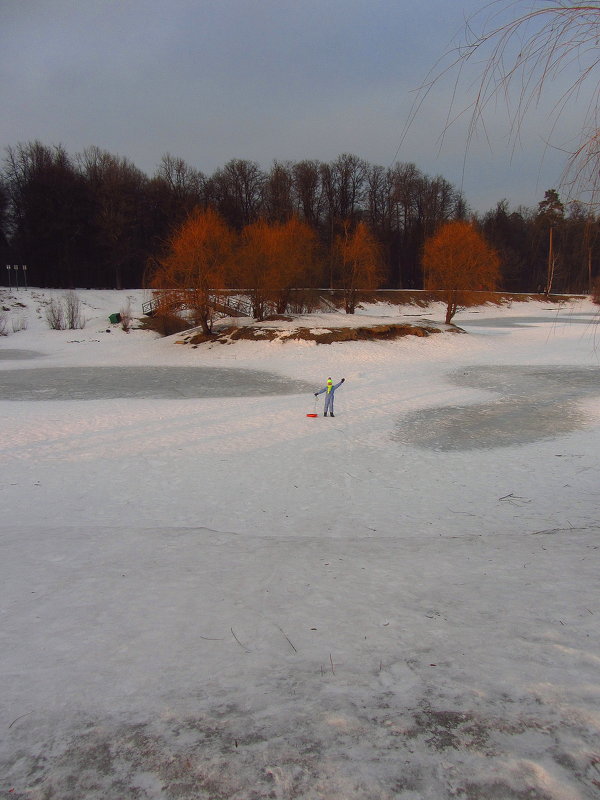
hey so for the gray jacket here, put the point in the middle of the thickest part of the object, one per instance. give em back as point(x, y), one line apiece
point(333, 388)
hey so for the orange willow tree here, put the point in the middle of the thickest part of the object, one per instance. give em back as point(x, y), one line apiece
point(457, 260)
point(272, 259)
point(299, 260)
point(195, 267)
point(358, 259)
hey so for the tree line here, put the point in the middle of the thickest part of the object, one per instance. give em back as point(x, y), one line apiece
point(95, 220)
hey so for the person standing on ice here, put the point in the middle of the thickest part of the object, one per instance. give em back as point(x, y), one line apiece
point(329, 390)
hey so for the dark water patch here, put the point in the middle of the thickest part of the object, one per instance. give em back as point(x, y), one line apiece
point(538, 403)
point(18, 355)
point(565, 318)
point(155, 383)
point(538, 382)
point(487, 425)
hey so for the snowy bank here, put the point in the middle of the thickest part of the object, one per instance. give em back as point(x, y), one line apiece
point(220, 597)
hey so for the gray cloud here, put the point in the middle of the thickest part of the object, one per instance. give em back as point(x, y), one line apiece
point(211, 80)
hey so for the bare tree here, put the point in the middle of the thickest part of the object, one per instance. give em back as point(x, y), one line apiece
point(350, 173)
point(277, 192)
point(238, 188)
point(117, 186)
point(184, 181)
point(47, 208)
point(308, 191)
point(184, 186)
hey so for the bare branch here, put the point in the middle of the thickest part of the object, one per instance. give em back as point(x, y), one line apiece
point(525, 54)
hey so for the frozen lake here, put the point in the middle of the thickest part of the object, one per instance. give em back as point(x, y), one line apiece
point(220, 598)
point(159, 383)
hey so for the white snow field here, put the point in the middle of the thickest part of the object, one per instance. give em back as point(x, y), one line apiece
point(207, 594)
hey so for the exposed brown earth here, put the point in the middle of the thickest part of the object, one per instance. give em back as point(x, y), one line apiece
point(320, 335)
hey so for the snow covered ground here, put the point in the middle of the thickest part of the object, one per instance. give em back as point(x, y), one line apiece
point(208, 594)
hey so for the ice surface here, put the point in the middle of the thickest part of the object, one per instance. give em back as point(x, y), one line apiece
point(156, 382)
point(216, 597)
point(10, 354)
point(552, 316)
point(538, 403)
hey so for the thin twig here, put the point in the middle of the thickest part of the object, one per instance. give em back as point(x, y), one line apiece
point(331, 660)
point(565, 530)
point(286, 636)
point(18, 718)
point(515, 499)
point(238, 641)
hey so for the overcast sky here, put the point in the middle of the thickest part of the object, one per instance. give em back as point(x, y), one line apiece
point(212, 80)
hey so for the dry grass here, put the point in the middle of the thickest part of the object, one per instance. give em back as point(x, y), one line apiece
point(363, 334)
point(322, 336)
point(165, 324)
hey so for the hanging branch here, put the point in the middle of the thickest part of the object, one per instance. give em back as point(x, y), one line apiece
point(522, 53)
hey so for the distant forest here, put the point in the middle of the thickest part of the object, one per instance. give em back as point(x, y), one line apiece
point(94, 220)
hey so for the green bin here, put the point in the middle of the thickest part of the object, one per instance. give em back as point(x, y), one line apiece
point(114, 318)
